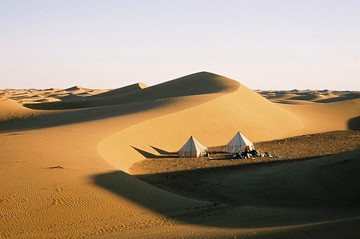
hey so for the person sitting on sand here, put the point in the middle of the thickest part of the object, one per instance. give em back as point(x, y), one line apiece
point(255, 152)
point(237, 156)
point(244, 154)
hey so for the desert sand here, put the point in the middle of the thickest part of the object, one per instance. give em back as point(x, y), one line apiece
point(82, 163)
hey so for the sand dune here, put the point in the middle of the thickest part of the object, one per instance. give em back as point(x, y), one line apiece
point(306, 96)
point(195, 84)
point(35, 96)
point(320, 118)
point(77, 88)
point(256, 117)
point(66, 172)
point(11, 110)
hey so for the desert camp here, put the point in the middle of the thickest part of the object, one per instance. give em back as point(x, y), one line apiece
point(123, 163)
point(239, 146)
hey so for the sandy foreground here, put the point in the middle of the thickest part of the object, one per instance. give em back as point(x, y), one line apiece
point(74, 163)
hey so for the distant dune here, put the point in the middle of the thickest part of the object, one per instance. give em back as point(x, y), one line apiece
point(301, 96)
point(66, 157)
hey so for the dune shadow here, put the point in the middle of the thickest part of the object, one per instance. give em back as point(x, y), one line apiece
point(289, 102)
point(348, 96)
point(71, 98)
point(237, 194)
point(59, 118)
point(118, 182)
point(113, 104)
point(354, 123)
point(307, 97)
point(240, 195)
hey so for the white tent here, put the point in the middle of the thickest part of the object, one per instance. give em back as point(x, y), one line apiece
point(238, 143)
point(192, 148)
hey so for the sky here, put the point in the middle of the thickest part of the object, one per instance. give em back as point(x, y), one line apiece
point(273, 44)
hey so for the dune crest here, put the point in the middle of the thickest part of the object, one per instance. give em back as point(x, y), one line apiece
point(195, 84)
point(122, 90)
point(76, 88)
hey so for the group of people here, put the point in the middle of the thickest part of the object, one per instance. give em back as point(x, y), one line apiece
point(247, 153)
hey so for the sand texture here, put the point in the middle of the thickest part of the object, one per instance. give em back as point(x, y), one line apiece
point(85, 163)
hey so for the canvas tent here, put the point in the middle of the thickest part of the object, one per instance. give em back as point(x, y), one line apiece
point(192, 148)
point(238, 143)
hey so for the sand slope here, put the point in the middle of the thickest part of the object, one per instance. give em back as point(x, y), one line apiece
point(326, 117)
point(69, 176)
point(213, 121)
point(11, 110)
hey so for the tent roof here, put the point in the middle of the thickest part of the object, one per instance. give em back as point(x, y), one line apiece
point(238, 143)
point(192, 145)
point(239, 138)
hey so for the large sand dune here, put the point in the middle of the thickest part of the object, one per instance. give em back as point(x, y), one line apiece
point(65, 162)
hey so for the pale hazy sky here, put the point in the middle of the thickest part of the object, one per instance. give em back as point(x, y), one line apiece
point(271, 44)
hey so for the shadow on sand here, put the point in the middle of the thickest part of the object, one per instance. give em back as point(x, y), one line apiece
point(161, 153)
point(348, 96)
point(354, 123)
point(144, 153)
point(248, 196)
point(60, 118)
point(118, 103)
